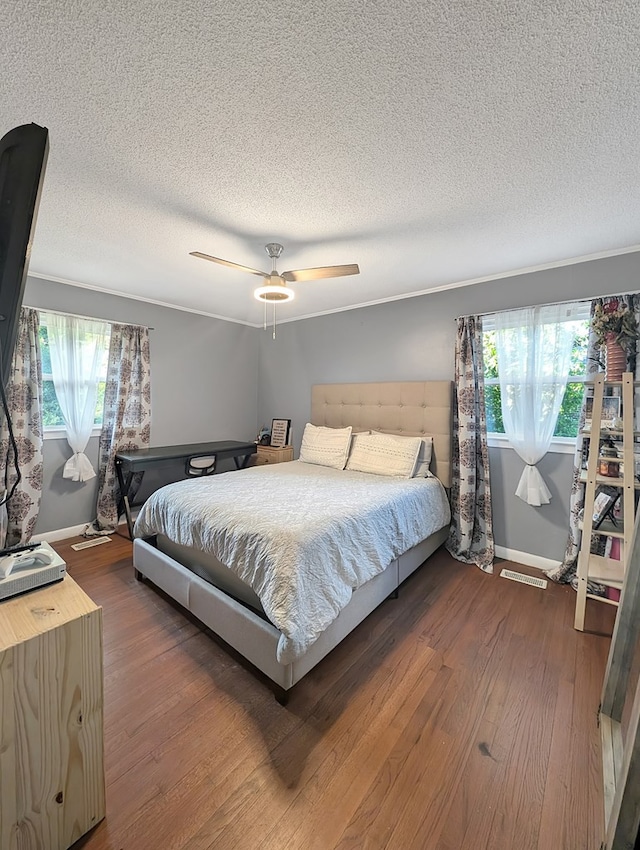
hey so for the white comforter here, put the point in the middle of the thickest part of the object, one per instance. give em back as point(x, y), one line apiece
point(304, 537)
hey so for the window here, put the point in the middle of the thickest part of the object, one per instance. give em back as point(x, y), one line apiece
point(52, 417)
point(569, 415)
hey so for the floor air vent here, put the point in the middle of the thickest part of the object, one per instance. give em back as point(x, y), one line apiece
point(95, 541)
point(524, 579)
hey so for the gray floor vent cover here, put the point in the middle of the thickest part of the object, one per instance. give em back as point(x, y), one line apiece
point(521, 577)
point(95, 541)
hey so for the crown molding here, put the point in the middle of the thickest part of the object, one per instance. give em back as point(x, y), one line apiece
point(587, 258)
point(141, 298)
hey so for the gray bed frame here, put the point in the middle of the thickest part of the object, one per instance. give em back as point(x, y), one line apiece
point(413, 408)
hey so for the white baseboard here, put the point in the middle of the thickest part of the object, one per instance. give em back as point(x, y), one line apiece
point(63, 533)
point(59, 534)
point(526, 558)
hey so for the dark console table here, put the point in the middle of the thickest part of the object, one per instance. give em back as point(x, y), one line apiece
point(139, 460)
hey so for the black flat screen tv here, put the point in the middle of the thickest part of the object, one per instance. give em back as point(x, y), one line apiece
point(23, 159)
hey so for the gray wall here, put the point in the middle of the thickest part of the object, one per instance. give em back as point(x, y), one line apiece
point(203, 387)
point(219, 380)
point(414, 340)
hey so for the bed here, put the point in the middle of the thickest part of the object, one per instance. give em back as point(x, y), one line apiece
point(186, 561)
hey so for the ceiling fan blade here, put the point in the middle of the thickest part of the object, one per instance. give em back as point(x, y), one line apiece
point(227, 263)
point(318, 274)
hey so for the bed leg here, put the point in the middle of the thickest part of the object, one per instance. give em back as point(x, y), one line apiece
point(395, 594)
point(281, 695)
point(138, 575)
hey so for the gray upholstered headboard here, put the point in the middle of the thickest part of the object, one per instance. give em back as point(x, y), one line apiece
point(409, 408)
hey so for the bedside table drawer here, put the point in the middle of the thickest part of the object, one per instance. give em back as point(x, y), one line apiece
point(271, 455)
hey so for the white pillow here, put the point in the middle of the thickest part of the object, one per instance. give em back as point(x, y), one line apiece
point(325, 446)
point(355, 436)
point(424, 457)
point(381, 454)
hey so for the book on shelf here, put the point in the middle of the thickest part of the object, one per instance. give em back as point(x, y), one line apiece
point(588, 412)
point(584, 454)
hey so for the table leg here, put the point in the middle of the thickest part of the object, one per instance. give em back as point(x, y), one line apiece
point(245, 460)
point(124, 494)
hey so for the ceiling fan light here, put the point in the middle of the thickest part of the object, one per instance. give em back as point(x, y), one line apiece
point(273, 292)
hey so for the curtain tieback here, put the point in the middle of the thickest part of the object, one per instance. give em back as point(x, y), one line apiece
point(78, 468)
point(531, 487)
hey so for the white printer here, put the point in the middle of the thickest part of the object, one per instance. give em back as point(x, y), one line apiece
point(29, 569)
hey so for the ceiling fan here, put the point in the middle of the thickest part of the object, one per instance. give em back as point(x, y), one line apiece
point(276, 289)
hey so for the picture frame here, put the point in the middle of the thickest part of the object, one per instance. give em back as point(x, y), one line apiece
point(280, 431)
point(606, 497)
point(610, 411)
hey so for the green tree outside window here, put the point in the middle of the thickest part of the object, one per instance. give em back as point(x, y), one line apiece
point(569, 415)
point(51, 412)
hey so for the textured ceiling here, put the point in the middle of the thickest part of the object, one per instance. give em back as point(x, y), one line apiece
point(431, 141)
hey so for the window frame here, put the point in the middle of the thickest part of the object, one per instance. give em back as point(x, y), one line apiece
point(559, 445)
point(59, 432)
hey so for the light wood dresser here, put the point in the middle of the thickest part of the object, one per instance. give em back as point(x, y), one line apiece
point(51, 718)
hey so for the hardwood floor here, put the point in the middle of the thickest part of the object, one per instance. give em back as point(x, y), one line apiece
point(461, 715)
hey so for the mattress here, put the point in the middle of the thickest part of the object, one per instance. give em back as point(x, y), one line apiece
point(209, 568)
point(302, 537)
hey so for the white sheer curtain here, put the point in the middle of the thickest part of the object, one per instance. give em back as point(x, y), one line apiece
point(77, 348)
point(534, 357)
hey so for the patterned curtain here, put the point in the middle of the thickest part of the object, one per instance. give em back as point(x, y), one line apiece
point(24, 401)
point(471, 534)
point(566, 571)
point(126, 417)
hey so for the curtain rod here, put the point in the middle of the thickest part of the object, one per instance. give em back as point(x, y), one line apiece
point(551, 304)
point(89, 318)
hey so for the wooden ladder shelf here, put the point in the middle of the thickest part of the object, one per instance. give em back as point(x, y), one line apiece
point(591, 567)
